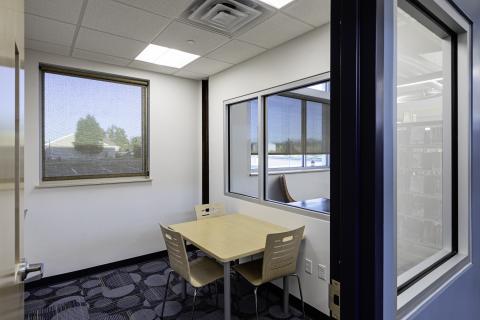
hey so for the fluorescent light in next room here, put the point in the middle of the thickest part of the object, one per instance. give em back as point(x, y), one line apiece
point(166, 56)
point(277, 3)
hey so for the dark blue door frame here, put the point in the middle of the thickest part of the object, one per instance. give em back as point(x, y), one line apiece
point(356, 234)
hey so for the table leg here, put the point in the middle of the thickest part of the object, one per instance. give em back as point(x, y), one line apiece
point(286, 293)
point(226, 291)
point(184, 289)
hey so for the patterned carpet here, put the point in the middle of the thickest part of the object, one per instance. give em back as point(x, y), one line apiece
point(136, 292)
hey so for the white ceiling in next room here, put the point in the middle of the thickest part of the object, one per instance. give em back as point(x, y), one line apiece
point(116, 31)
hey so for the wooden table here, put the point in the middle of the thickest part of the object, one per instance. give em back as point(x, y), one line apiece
point(228, 238)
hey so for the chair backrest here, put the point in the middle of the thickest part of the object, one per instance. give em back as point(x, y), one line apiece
point(209, 210)
point(281, 254)
point(177, 253)
point(284, 186)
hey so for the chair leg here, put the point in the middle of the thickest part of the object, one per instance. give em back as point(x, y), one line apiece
point(194, 299)
point(216, 293)
point(301, 294)
point(166, 293)
point(255, 293)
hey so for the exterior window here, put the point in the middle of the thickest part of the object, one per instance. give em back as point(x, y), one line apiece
point(298, 129)
point(426, 146)
point(243, 147)
point(94, 125)
point(317, 149)
point(285, 149)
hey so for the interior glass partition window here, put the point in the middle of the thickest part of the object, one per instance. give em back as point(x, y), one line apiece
point(278, 146)
point(297, 146)
point(425, 145)
point(94, 125)
point(243, 148)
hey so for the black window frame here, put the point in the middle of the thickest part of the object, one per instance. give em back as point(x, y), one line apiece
point(427, 18)
point(99, 76)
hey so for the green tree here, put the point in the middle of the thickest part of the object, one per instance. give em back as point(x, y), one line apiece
point(136, 146)
point(89, 136)
point(119, 137)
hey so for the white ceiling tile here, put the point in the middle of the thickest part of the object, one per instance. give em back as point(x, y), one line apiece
point(152, 67)
point(167, 8)
point(236, 51)
point(43, 29)
point(63, 10)
point(177, 34)
point(47, 47)
point(314, 12)
point(207, 66)
point(190, 75)
point(275, 31)
point(96, 41)
point(99, 57)
point(122, 20)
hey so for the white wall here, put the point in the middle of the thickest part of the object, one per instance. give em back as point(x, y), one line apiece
point(300, 58)
point(79, 227)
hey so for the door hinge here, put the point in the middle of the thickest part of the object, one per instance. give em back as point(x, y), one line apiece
point(334, 299)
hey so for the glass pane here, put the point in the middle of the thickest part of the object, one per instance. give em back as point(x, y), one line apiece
point(298, 144)
point(284, 132)
point(91, 128)
point(423, 147)
point(318, 134)
point(243, 142)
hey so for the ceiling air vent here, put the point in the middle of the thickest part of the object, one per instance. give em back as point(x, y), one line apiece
point(226, 16)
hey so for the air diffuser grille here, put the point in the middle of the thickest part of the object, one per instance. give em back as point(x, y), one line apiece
point(226, 16)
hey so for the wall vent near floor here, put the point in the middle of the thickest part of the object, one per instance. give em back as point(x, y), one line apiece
point(229, 17)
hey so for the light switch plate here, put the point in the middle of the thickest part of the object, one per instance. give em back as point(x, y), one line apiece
point(308, 266)
point(322, 272)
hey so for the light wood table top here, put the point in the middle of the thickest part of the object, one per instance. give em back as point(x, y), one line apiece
point(228, 237)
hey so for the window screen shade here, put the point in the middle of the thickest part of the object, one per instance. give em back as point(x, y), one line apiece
point(93, 125)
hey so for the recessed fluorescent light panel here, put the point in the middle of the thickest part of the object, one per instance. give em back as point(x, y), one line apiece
point(277, 3)
point(166, 56)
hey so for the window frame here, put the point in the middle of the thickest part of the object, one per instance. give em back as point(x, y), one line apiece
point(144, 84)
point(304, 134)
point(428, 19)
point(262, 157)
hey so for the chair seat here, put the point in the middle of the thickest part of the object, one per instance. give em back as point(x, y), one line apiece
point(251, 271)
point(204, 271)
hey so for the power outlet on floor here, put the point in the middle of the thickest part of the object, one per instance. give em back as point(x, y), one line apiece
point(308, 266)
point(322, 272)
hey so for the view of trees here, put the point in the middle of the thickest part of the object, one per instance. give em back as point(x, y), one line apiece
point(119, 137)
point(90, 138)
point(136, 146)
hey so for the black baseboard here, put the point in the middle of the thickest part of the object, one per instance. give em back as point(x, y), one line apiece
point(310, 311)
point(93, 270)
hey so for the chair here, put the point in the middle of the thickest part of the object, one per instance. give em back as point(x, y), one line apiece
point(283, 183)
point(279, 260)
point(199, 272)
point(210, 210)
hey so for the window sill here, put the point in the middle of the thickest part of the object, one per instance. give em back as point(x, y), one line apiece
point(91, 182)
point(411, 301)
point(281, 206)
point(279, 172)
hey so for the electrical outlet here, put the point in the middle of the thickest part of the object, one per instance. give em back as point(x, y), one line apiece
point(308, 266)
point(322, 272)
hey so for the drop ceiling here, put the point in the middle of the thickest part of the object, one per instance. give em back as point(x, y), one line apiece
point(116, 31)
